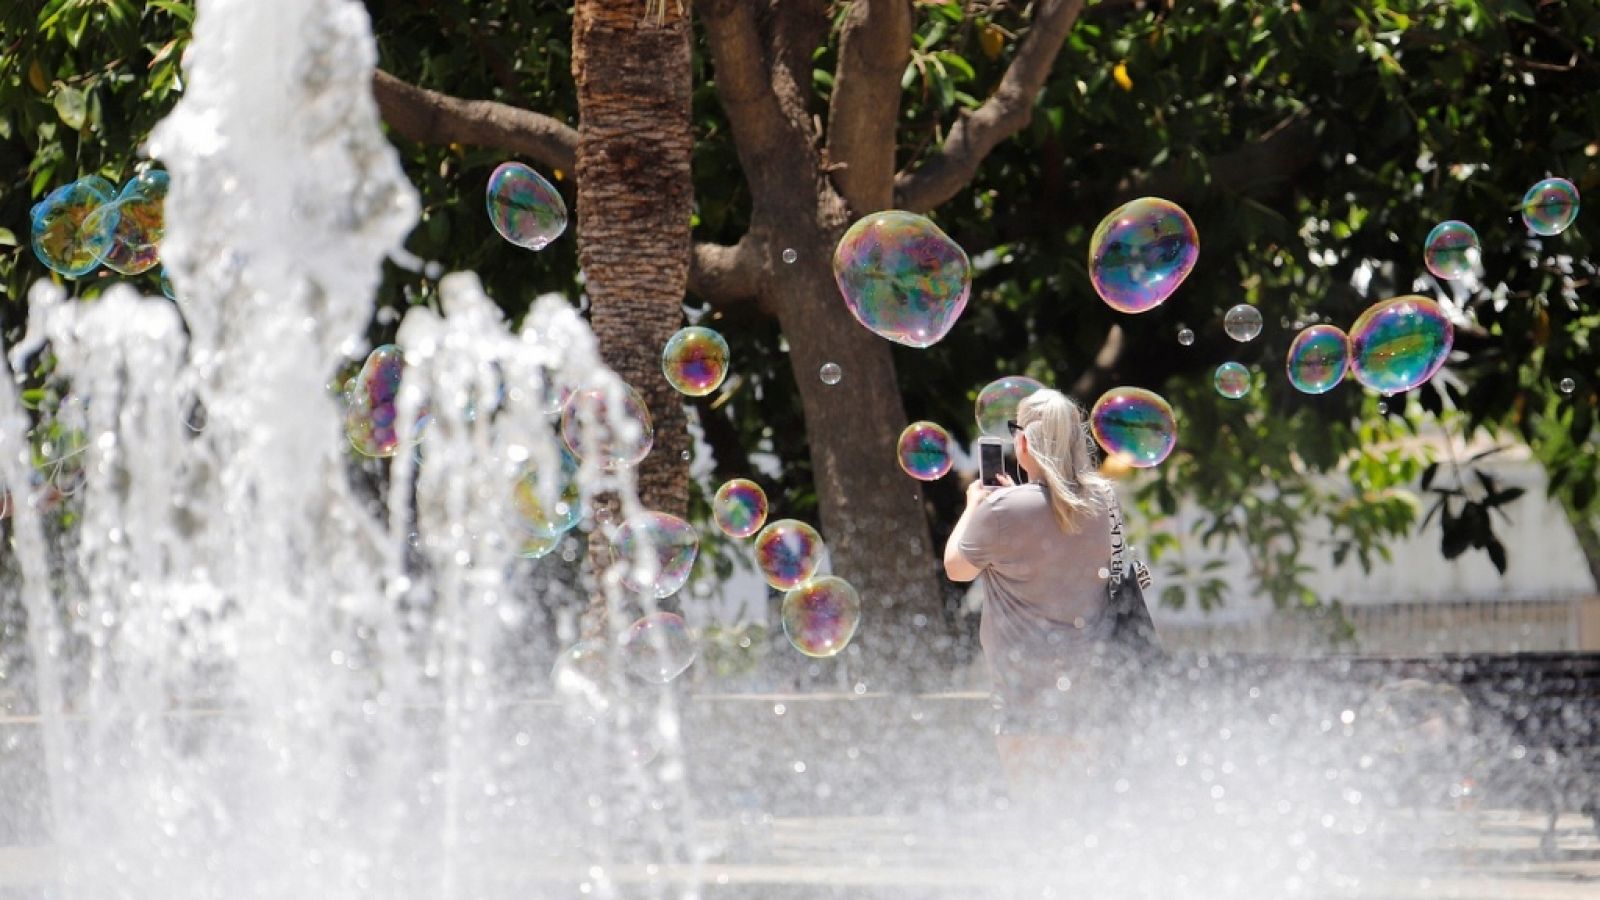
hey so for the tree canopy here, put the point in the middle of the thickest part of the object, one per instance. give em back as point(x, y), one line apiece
point(1314, 146)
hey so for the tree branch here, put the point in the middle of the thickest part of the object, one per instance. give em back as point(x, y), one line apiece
point(743, 81)
point(862, 116)
point(725, 276)
point(1007, 111)
point(429, 117)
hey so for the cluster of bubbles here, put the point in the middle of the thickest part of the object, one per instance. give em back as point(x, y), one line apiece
point(80, 226)
point(1134, 425)
point(1141, 253)
point(924, 451)
point(902, 278)
point(524, 208)
point(695, 361)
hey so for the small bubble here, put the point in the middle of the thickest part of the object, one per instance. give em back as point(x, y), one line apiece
point(1185, 336)
point(830, 373)
point(790, 255)
point(1568, 385)
point(684, 456)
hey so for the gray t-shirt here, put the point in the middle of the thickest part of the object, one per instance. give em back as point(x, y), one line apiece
point(1044, 597)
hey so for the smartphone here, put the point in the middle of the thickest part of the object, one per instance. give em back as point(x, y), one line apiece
point(991, 460)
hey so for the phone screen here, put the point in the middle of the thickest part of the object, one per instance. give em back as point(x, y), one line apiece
point(991, 462)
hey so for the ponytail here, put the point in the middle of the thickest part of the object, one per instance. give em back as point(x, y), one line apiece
point(1053, 424)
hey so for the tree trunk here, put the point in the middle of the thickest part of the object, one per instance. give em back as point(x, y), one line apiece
point(873, 518)
point(635, 198)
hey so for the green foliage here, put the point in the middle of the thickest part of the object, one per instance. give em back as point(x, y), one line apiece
point(1368, 124)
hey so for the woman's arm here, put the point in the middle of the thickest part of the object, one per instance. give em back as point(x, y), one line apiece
point(956, 565)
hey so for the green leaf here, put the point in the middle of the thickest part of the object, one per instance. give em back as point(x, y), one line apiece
point(7, 238)
point(72, 107)
point(181, 11)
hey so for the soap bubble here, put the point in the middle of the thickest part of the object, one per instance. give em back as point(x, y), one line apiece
point(1185, 337)
point(924, 451)
point(830, 373)
point(137, 222)
point(166, 285)
point(1317, 359)
point(1568, 385)
point(657, 552)
point(1135, 424)
point(582, 676)
point(695, 360)
point(789, 255)
point(788, 552)
point(998, 400)
point(525, 209)
point(902, 277)
point(370, 411)
point(1232, 380)
point(821, 616)
point(1242, 322)
point(658, 647)
point(548, 509)
point(1399, 343)
point(1550, 206)
point(1141, 252)
point(538, 546)
point(67, 237)
point(587, 415)
point(740, 508)
point(1451, 250)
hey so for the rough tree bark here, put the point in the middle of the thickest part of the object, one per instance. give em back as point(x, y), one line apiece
point(635, 198)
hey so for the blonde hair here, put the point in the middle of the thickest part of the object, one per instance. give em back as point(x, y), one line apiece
point(1056, 441)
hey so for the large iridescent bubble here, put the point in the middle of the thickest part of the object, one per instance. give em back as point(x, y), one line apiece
point(1550, 207)
point(526, 209)
point(1232, 380)
point(740, 508)
point(1141, 252)
point(788, 553)
point(1135, 425)
point(997, 403)
point(370, 410)
point(619, 438)
point(658, 647)
point(924, 451)
point(1451, 250)
point(656, 551)
point(821, 616)
point(67, 236)
point(137, 221)
point(695, 361)
point(1317, 359)
point(1399, 343)
point(902, 277)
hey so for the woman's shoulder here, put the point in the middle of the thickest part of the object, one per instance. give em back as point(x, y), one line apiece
point(1018, 496)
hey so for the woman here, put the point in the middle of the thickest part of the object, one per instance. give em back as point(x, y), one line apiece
point(1042, 550)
